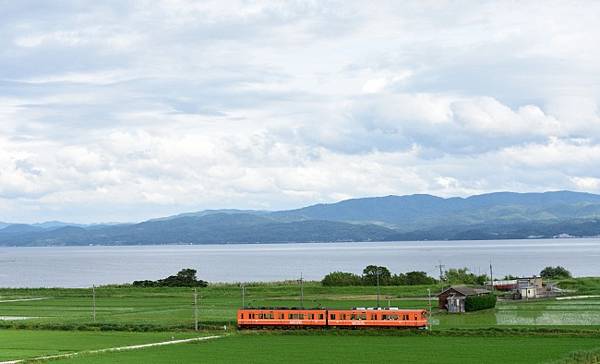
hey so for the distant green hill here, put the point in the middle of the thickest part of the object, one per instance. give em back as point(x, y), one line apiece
point(502, 215)
point(414, 212)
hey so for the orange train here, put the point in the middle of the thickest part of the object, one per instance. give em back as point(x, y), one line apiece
point(357, 317)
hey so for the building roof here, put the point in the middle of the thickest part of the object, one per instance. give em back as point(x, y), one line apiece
point(466, 291)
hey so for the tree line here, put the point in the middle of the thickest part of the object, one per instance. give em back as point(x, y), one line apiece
point(451, 276)
point(372, 274)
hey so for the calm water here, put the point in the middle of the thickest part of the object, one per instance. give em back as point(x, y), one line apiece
point(84, 266)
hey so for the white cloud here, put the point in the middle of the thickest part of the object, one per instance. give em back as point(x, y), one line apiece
point(123, 111)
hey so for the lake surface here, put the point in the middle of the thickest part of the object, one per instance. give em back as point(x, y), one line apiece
point(85, 266)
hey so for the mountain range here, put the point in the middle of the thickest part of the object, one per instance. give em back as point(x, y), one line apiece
point(501, 215)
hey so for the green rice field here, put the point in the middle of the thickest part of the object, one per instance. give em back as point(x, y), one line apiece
point(20, 344)
point(172, 308)
point(546, 329)
point(354, 349)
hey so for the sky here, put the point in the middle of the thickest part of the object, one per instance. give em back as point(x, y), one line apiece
point(128, 110)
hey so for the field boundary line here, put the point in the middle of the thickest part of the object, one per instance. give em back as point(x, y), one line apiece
point(111, 350)
point(577, 297)
point(25, 299)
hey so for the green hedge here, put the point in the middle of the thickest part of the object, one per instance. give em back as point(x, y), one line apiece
point(476, 303)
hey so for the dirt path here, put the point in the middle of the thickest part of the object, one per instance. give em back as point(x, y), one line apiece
point(110, 350)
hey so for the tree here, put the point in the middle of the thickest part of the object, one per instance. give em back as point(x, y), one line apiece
point(557, 272)
point(464, 276)
point(370, 275)
point(184, 278)
point(341, 279)
point(416, 278)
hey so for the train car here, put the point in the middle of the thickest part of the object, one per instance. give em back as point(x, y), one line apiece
point(281, 317)
point(354, 318)
point(364, 317)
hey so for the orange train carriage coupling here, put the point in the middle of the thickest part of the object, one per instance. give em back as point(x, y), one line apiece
point(321, 317)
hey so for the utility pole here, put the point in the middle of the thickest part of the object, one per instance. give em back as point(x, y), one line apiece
point(429, 306)
point(94, 302)
point(195, 309)
point(243, 296)
point(491, 276)
point(441, 266)
point(301, 291)
point(378, 272)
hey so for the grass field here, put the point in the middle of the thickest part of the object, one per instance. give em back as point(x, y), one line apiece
point(19, 344)
point(354, 349)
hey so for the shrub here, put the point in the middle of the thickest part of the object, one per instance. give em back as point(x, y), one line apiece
point(483, 302)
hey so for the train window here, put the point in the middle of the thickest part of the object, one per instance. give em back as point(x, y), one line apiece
point(281, 316)
point(405, 317)
point(242, 316)
point(373, 317)
point(332, 316)
point(320, 316)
